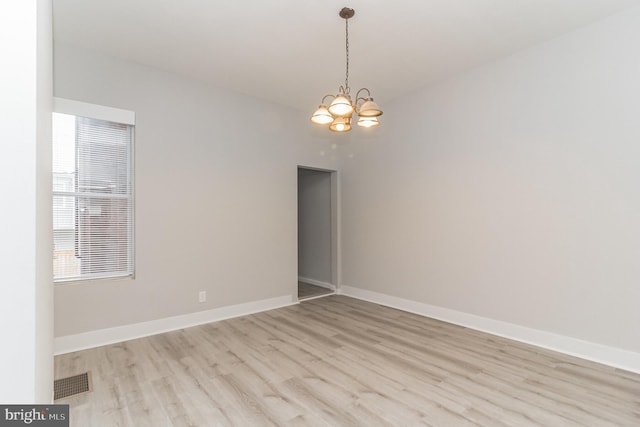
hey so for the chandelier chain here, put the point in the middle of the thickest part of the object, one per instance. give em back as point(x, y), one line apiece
point(346, 79)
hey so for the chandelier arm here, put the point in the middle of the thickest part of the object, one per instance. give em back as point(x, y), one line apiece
point(358, 97)
point(325, 97)
point(344, 90)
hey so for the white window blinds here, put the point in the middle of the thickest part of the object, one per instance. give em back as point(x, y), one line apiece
point(92, 198)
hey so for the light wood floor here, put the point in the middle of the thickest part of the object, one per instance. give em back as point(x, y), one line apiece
point(337, 361)
point(307, 290)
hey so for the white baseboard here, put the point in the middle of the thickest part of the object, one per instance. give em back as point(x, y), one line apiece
point(316, 282)
point(70, 343)
point(606, 355)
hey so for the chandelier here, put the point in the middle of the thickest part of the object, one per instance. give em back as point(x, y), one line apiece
point(339, 113)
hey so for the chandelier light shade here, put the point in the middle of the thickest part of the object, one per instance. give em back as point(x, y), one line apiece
point(322, 116)
point(339, 112)
point(368, 122)
point(341, 124)
point(369, 109)
point(341, 106)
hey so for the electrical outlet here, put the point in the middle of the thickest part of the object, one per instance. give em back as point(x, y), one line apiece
point(202, 296)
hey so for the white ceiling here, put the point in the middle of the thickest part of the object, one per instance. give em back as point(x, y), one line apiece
point(292, 51)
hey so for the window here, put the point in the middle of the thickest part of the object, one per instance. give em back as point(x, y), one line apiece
point(92, 192)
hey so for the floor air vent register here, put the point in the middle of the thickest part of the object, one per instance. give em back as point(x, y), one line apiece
point(71, 386)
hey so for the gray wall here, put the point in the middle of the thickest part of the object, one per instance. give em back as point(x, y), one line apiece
point(215, 197)
point(511, 191)
point(314, 225)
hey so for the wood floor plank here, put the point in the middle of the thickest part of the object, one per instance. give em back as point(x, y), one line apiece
point(307, 290)
point(338, 361)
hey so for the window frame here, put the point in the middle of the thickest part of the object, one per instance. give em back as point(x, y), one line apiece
point(115, 115)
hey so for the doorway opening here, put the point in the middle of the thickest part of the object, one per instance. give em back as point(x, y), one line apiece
point(317, 232)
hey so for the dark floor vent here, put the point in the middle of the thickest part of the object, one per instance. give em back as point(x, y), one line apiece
point(70, 386)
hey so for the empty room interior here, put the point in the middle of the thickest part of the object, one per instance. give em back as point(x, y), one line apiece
point(322, 213)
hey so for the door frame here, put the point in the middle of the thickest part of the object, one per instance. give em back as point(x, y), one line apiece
point(335, 224)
